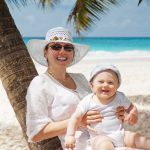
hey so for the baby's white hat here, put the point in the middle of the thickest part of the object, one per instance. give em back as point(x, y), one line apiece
point(103, 67)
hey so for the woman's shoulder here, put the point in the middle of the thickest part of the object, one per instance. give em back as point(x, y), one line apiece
point(78, 76)
point(39, 81)
point(81, 80)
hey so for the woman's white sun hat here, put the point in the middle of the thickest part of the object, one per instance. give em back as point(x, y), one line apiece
point(59, 34)
point(103, 67)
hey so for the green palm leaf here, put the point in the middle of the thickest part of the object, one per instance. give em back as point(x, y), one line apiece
point(140, 2)
point(43, 3)
point(86, 12)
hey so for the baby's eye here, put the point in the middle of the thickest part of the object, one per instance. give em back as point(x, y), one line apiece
point(110, 82)
point(101, 81)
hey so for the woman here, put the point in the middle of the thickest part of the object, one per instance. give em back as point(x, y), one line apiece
point(53, 96)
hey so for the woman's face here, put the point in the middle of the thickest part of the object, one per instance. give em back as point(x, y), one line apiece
point(59, 53)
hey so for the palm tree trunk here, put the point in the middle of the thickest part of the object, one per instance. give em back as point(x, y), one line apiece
point(16, 72)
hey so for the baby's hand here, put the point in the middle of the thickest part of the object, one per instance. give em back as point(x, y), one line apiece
point(70, 142)
point(132, 118)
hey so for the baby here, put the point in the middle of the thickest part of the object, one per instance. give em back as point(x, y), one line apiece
point(108, 134)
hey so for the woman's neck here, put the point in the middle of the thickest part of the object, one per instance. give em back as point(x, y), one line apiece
point(59, 74)
point(62, 77)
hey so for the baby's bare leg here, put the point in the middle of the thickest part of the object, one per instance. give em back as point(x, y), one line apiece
point(135, 140)
point(102, 143)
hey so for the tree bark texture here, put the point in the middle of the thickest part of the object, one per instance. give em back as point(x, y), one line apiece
point(16, 72)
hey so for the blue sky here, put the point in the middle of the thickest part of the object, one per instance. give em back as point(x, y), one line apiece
point(125, 20)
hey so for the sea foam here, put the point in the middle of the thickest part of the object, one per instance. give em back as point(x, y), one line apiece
point(101, 55)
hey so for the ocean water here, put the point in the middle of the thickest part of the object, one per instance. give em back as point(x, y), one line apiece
point(111, 44)
point(113, 48)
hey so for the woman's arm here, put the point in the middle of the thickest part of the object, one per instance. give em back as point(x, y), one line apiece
point(94, 116)
point(51, 130)
point(39, 125)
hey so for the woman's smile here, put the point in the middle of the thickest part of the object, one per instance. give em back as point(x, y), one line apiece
point(62, 58)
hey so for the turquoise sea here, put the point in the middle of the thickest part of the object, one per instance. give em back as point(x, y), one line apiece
point(111, 44)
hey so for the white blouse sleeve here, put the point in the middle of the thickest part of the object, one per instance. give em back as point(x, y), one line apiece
point(37, 106)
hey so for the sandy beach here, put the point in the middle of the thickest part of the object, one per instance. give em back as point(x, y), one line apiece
point(135, 71)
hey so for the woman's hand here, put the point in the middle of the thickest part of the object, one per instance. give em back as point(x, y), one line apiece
point(94, 116)
point(120, 112)
point(91, 117)
point(132, 118)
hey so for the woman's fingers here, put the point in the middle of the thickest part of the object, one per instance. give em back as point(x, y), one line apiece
point(92, 112)
point(131, 119)
point(120, 109)
point(92, 117)
point(120, 112)
point(93, 121)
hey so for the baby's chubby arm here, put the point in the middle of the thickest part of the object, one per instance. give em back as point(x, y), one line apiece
point(132, 117)
point(73, 124)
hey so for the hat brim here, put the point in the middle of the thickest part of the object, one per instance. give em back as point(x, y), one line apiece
point(36, 50)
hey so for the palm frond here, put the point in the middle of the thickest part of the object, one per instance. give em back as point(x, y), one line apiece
point(50, 3)
point(86, 12)
point(139, 2)
point(42, 3)
point(18, 2)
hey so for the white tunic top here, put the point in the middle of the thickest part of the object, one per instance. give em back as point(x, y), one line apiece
point(49, 101)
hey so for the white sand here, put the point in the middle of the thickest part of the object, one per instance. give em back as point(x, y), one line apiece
point(135, 73)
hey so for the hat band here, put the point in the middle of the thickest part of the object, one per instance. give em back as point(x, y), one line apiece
point(59, 39)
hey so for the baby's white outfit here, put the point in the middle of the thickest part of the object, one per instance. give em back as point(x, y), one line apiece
point(49, 101)
point(110, 126)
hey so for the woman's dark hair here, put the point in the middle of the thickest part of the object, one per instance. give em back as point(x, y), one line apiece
point(46, 47)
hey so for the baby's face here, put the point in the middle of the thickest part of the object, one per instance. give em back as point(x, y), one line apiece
point(105, 85)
